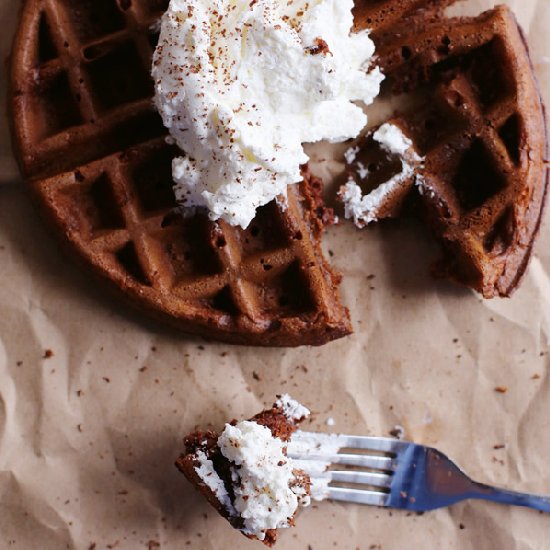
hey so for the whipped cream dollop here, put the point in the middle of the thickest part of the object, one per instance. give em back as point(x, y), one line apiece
point(266, 493)
point(242, 84)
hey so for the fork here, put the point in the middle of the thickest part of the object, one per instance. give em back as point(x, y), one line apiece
point(392, 473)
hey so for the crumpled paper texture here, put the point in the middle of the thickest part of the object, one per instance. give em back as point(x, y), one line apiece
point(94, 400)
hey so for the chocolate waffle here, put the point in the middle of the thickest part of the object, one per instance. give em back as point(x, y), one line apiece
point(481, 132)
point(206, 443)
point(387, 19)
point(93, 152)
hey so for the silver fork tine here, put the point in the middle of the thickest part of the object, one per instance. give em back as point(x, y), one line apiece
point(362, 461)
point(362, 478)
point(359, 496)
point(304, 446)
point(420, 478)
point(379, 444)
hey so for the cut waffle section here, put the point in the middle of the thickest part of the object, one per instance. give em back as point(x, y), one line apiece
point(380, 181)
point(482, 133)
point(268, 285)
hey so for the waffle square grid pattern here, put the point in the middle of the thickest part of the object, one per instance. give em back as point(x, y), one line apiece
point(101, 169)
point(92, 88)
point(251, 272)
point(480, 130)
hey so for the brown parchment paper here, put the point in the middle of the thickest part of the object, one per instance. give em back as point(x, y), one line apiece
point(89, 430)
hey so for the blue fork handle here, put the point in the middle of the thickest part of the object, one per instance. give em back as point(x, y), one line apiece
point(503, 496)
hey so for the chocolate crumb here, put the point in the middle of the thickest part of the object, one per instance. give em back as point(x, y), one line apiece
point(256, 376)
point(398, 432)
point(48, 354)
point(501, 389)
point(321, 47)
point(108, 380)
